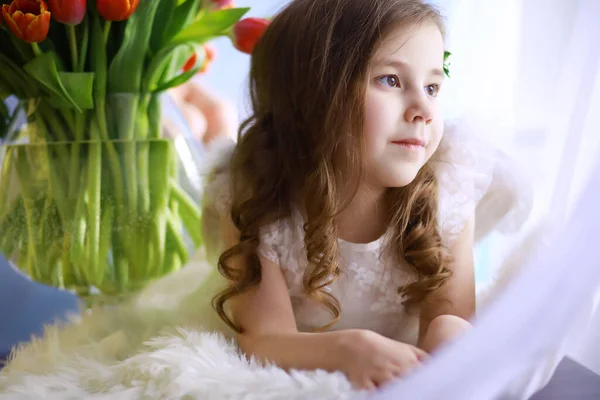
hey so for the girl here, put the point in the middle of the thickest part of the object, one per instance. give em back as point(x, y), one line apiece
point(347, 222)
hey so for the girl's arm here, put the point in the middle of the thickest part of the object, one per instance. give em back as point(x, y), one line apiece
point(444, 315)
point(266, 314)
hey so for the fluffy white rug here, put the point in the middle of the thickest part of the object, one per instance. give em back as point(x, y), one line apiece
point(185, 364)
point(156, 348)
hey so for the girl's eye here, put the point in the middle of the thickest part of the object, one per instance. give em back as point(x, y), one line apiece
point(432, 90)
point(389, 80)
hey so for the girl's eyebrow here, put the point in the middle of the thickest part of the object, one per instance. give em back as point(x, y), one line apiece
point(402, 65)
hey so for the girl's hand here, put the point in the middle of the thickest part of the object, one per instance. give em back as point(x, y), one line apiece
point(207, 115)
point(370, 360)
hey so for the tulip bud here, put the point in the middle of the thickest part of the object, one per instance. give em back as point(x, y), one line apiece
point(68, 12)
point(222, 4)
point(209, 55)
point(247, 33)
point(190, 63)
point(117, 10)
point(29, 20)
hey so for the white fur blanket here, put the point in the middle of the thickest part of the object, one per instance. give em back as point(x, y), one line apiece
point(155, 348)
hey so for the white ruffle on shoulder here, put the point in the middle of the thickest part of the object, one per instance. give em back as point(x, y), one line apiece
point(477, 179)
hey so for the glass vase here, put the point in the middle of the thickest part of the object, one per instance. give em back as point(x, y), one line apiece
point(102, 201)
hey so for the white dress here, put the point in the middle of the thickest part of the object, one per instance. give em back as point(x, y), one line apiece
point(468, 170)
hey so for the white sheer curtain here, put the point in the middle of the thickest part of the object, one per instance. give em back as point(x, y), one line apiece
point(530, 70)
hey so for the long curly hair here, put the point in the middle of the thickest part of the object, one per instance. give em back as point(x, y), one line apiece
point(307, 87)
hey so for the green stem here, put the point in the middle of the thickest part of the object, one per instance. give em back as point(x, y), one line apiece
point(36, 49)
point(54, 271)
point(69, 278)
point(143, 149)
point(190, 213)
point(106, 230)
point(5, 180)
point(43, 233)
point(174, 238)
point(84, 43)
point(154, 117)
point(57, 183)
point(172, 262)
point(13, 227)
point(159, 188)
point(73, 45)
point(77, 230)
point(120, 263)
point(75, 157)
point(106, 31)
point(34, 250)
point(93, 232)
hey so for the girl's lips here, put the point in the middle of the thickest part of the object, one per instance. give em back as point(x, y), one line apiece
point(409, 143)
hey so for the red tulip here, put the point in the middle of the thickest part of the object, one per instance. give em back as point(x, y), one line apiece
point(68, 12)
point(247, 33)
point(222, 4)
point(29, 20)
point(117, 10)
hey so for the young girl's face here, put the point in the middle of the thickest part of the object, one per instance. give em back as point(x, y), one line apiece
point(403, 123)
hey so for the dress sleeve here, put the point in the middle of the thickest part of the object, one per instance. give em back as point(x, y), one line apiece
point(271, 241)
point(475, 179)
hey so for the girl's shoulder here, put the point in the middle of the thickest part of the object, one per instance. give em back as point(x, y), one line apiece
point(477, 180)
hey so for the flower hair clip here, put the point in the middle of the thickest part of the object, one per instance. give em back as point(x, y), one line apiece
point(446, 63)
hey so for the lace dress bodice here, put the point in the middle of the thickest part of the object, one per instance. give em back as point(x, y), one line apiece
point(367, 289)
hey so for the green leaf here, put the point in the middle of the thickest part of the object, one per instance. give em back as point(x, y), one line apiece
point(178, 59)
point(80, 85)
point(178, 80)
point(4, 119)
point(447, 54)
point(15, 80)
point(210, 25)
point(125, 71)
point(182, 17)
point(9, 122)
point(4, 113)
point(160, 66)
point(24, 49)
point(43, 68)
point(164, 14)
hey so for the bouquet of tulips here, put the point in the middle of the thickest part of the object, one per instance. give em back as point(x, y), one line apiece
point(99, 205)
